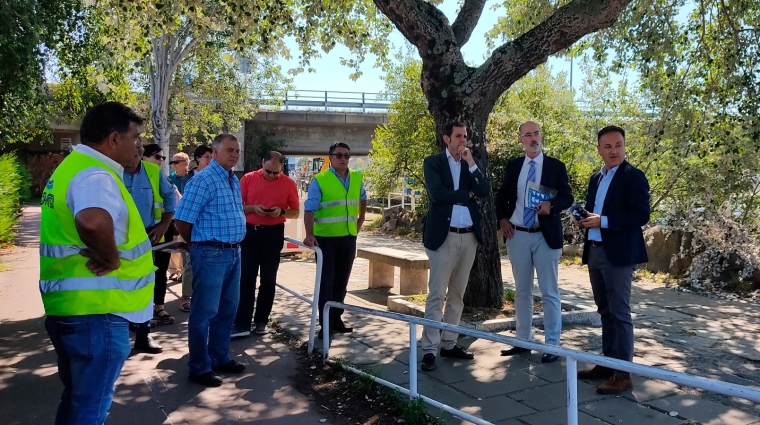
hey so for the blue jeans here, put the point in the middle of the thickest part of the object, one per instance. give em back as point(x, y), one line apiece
point(91, 352)
point(216, 292)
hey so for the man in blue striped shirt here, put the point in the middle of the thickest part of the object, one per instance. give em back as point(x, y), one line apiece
point(210, 218)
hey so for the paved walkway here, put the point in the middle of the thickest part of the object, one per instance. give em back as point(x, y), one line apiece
point(682, 332)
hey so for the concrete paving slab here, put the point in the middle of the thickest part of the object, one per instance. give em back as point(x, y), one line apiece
point(619, 410)
point(488, 385)
point(558, 417)
point(647, 389)
point(703, 411)
point(553, 396)
point(496, 408)
point(552, 372)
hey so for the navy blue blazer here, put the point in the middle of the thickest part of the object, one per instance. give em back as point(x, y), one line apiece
point(626, 206)
point(443, 197)
point(553, 175)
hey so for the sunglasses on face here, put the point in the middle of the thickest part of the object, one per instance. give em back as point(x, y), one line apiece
point(159, 157)
point(179, 161)
point(341, 155)
point(272, 173)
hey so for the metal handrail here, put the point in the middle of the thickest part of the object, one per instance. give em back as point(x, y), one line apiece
point(317, 283)
point(572, 357)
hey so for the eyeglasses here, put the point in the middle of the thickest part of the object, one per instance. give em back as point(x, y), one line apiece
point(159, 156)
point(270, 172)
point(341, 155)
point(179, 161)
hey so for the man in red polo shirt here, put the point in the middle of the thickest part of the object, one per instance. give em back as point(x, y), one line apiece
point(269, 198)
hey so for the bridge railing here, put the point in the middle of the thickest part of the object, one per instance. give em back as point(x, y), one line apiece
point(327, 100)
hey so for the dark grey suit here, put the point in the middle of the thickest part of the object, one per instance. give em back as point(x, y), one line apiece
point(611, 263)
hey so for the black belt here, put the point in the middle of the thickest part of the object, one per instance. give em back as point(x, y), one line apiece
point(595, 243)
point(218, 244)
point(265, 226)
point(461, 229)
point(525, 229)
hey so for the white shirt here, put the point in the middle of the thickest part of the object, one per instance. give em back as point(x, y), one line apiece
point(460, 215)
point(96, 188)
point(522, 188)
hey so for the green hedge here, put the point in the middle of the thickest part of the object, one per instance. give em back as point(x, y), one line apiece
point(14, 190)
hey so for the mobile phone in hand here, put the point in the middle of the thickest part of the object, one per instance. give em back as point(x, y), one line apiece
point(267, 209)
point(578, 212)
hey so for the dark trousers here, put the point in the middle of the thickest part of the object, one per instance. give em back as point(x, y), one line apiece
point(259, 250)
point(161, 260)
point(612, 295)
point(338, 259)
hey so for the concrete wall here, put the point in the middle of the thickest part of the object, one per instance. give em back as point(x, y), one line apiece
point(312, 133)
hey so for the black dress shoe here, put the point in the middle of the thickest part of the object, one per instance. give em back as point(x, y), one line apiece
point(147, 345)
point(340, 327)
point(428, 362)
point(230, 367)
point(549, 358)
point(208, 379)
point(457, 353)
point(514, 350)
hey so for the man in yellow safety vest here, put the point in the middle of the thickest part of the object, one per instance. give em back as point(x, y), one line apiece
point(96, 266)
point(335, 209)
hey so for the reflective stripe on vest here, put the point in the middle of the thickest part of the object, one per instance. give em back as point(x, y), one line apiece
point(60, 251)
point(338, 212)
point(67, 286)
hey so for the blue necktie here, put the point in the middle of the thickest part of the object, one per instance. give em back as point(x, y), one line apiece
point(529, 214)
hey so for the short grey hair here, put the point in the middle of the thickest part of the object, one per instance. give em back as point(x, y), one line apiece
point(217, 143)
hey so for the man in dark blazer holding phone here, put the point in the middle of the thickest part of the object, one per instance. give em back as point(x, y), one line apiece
point(534, 235)
point(454, 183)
point(618, 205)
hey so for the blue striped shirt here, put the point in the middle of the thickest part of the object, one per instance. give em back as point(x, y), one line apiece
point(212, 203)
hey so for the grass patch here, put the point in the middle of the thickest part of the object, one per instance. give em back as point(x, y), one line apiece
point(14, 190)
point(571, 261)
point(374, 224)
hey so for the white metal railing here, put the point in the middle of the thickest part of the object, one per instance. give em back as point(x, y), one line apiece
point(317, 283)
point(572, 357)
point(402, 196)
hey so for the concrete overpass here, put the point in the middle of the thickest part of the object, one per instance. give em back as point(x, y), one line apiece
point(312, 133)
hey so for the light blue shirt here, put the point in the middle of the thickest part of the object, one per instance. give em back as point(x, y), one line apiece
point(314, 195)
point(595, 234)
point(142, 192)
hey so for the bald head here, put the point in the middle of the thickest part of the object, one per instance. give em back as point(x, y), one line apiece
point(530, 138)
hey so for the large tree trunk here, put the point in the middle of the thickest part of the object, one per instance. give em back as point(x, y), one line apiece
point(485, 286)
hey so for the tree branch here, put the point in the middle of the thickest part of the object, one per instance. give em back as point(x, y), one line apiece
point(467, 19)
point(516, 58)
point(419, 21)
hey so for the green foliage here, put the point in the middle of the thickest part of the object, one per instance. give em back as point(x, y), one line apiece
point(399, 147)
point(14, 188)
point(29, 29)
point(509, 294)
point(256, 146)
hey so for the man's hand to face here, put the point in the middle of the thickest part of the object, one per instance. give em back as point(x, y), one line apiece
point(466, 154)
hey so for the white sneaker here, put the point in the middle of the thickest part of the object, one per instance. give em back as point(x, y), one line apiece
point(239, 332)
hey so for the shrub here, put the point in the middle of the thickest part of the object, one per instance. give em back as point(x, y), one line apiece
point(14, 189)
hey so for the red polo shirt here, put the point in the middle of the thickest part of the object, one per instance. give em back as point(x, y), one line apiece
point(257, 190)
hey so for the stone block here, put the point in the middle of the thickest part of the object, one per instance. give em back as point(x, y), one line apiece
point(413, 281)
point(380, 275)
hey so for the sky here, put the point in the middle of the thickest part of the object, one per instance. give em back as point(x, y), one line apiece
point(330, 75)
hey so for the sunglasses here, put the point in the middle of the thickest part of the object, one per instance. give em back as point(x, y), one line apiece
point(270, 172)
point(341, 155)
point(179, 161)
point(158, 156)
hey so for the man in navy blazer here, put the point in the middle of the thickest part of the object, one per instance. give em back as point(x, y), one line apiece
point(618, 203)
point(454, 183)
point(534, 235)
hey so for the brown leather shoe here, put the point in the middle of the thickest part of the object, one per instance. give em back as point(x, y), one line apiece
point(596, 372)
point(615, 385)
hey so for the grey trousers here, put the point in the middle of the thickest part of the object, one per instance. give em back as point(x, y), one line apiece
point(612, 295)
point(449, 272)
point(187, 275)
point(528, 252)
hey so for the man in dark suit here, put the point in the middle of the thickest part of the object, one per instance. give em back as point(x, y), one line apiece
point(534, 235)
point(618, 202)
point(454, 184)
